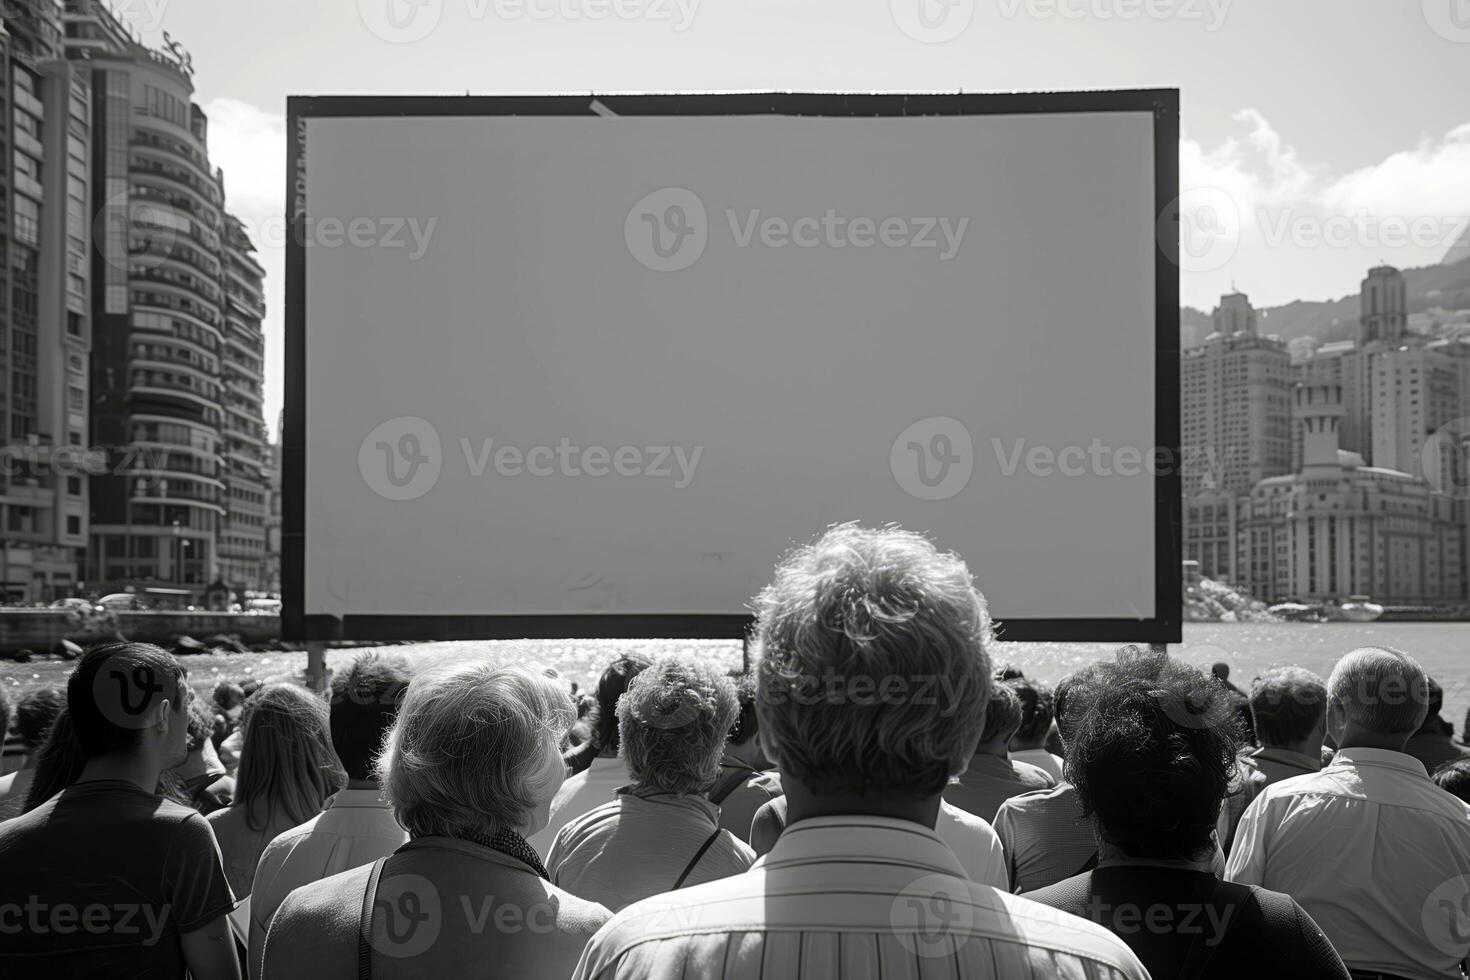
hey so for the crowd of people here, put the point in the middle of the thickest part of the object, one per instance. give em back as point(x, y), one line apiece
point(878, 799)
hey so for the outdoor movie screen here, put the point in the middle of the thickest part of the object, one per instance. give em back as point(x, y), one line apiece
point(577, 366)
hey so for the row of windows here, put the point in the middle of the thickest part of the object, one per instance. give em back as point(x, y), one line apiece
point(162, 105)
point(173, 434)
point(163, 352)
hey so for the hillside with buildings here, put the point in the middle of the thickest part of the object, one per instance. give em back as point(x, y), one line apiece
point(1333, 470)
point(1430, 289)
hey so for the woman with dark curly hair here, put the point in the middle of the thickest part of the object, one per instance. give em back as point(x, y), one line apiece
point(1152, 756)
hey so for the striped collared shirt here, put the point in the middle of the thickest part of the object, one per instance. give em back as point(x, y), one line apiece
point(852, 898)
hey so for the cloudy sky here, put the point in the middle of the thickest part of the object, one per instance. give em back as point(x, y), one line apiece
point(1320, 136)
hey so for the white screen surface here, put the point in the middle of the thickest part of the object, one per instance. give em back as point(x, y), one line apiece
point(595, 435)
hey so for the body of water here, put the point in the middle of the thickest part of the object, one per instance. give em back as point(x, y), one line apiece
point(1443, 649)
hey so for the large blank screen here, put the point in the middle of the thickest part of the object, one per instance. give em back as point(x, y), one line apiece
point(584, 364)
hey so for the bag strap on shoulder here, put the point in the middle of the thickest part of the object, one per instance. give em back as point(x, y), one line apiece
point(695, 861)
point(365, 922)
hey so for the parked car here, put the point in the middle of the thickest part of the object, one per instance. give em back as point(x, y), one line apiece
point(121, 601)
point(73, 602)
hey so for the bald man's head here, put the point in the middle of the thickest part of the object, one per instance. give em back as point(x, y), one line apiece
point(1381, 690)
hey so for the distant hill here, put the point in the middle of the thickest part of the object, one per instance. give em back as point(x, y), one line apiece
point(1446, 285)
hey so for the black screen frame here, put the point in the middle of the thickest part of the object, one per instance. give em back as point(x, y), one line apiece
point(1162, 104)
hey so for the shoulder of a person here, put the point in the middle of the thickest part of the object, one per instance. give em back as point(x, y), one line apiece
point(575, 915)
point(1033, 773)
point(965, 820)
point(599, 816)
point(281, 844)
point(1067, 894)
point(768, 781)
point(1045, 926)
point(323, 915)
point(1031, 799)
point(669, 913)
point(737, 848)
point(326, 901)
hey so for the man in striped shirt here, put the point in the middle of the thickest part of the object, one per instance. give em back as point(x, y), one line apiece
point(872, 683)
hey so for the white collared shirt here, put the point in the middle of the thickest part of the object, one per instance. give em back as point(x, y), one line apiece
point(587, 790)
point(356, 828)
point(852, 898)
point(1376, 853)
point(1041, 759)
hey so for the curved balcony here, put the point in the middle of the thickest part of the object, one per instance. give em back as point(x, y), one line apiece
point(245, 367)
point(179, 202)
point(193, 312)
point(147, 121)
point(174, 149)
point(162, 161)
point(249, 392)
point(210, 434)
point(188, 285)
point(183, 331)
point(204, 407)
point(173, 501)
point(153, 366)
point(148, 335)
point(173, 179)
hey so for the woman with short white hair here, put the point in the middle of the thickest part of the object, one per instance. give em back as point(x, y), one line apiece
point(469, 767)
point(661, 833)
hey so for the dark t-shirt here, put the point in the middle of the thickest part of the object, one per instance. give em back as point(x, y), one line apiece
point(101, 880)
point(1189, 923)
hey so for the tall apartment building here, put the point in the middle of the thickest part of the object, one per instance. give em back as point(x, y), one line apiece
point(1236, 428)
point(243, 550)
point(273, 510)
point(45, 320)
point(1413, 391)
point(1383, 310)
point(176, 362)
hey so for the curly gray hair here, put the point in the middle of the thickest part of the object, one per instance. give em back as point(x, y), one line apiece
point(673, 722)
point(873, 672)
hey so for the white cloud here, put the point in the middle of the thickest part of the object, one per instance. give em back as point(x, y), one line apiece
point(249, 145)
point(1306, 232)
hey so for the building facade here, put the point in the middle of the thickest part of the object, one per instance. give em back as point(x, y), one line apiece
point(45, 319)
point(243, 546)
point(177, 355)
point(1236, 428)
point(1340, 528)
